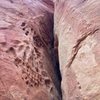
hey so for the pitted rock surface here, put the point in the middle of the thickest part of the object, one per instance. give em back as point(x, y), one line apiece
point(26, 42)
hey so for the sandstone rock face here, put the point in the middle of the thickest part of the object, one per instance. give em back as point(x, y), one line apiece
point(77, 26)
point(27, 71)
point(29, 55)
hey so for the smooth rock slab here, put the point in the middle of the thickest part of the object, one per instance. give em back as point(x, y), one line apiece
point(77, 26)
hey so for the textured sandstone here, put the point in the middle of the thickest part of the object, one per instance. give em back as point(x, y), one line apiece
point(28, 68)
point(77, 24)
point(27, 71)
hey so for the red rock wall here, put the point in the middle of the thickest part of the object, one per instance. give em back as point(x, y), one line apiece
point(26, 49)
point(29, 55)
point(77, 26)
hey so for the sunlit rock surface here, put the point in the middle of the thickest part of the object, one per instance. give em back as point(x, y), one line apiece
point(77, 26)
point(27, 71)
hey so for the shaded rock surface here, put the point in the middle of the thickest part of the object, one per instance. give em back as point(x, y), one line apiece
point(27, 70)
point(77, 27)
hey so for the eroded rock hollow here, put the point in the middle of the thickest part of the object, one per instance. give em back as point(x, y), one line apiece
point(27, 64)
point(39, 39)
